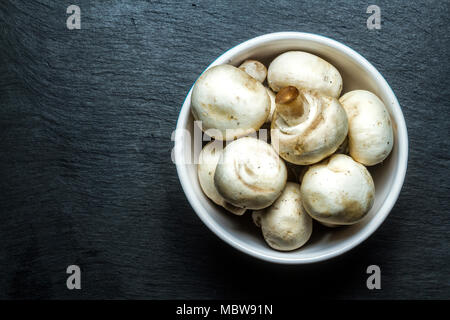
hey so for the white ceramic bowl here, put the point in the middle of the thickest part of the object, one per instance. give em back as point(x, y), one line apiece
point(357, 73)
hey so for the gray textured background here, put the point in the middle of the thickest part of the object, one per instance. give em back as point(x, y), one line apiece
point(85, 172)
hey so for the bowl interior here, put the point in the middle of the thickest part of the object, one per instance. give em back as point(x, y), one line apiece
point(357, 73)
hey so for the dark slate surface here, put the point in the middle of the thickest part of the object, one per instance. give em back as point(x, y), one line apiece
point(85, 174)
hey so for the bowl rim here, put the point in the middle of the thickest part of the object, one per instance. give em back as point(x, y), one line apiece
point(401, 165)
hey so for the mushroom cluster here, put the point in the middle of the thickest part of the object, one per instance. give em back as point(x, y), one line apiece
point(313, 168)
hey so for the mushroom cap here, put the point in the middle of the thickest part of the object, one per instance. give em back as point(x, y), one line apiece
point(208, 159)
point(255, 69)
point(229, 101)
point(285, 224)
point(304, 70)
point(311, 133)
point(250, 174)
point(370, 133)
point(338, 191)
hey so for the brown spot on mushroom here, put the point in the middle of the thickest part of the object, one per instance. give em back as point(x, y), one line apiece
point(249, 171)
point(251, 84)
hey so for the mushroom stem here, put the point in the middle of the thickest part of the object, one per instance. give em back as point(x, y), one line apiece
point(286, 95)
point(289, 105)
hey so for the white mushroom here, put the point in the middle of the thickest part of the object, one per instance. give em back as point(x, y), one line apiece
point(255, 69)
point(285, 224)
point(369, 127)
point(306, 126)
point(208, 159)
point(229, 102)
point(304, 70)
point(250, 174)
point(338, 191)
point(258, 71)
